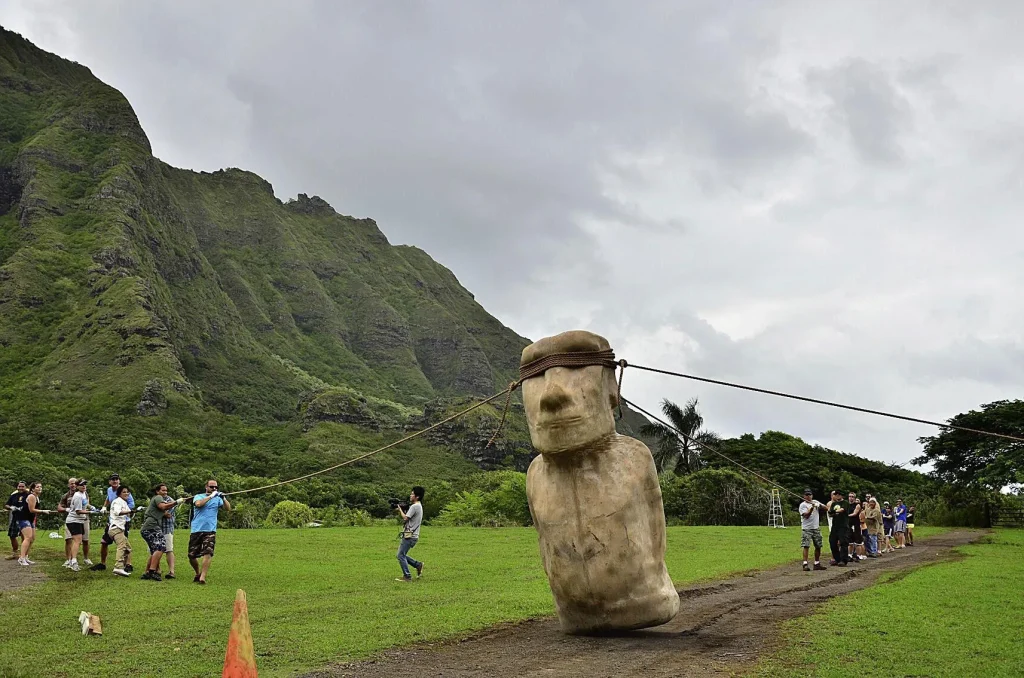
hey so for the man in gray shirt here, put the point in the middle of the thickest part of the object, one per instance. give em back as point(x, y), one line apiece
point(810, 533)
point(411, 534)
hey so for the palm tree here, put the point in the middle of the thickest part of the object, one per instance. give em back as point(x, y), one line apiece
point(679, 453)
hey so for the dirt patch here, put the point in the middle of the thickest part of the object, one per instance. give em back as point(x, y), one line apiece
point(14, 576)
point(722, 628)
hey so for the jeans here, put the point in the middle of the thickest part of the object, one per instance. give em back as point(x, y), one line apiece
point(403, 557)
point(873, 544)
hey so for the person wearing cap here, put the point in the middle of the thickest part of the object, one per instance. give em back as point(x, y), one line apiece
point(64, 506)
point(107, 540)
point(839, 534)
point(77, 523)
point(810, 530)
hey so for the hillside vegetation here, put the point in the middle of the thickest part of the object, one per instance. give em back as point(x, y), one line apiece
point(170, 324)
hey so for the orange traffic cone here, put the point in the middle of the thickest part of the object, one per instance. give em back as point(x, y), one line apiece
point(240, 660)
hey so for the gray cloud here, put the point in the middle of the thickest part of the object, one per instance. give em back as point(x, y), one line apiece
point(808, 200)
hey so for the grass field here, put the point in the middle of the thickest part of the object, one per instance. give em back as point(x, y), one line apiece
point(316, 596)
point(951, 619)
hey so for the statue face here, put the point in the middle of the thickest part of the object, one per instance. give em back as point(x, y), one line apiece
point(570, 408)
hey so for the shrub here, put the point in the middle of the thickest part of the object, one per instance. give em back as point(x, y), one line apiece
point(495, 499)
point(343, 516)
point(714, 497)
point(289, 514)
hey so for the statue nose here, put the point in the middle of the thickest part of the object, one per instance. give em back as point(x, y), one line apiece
point(555, 397)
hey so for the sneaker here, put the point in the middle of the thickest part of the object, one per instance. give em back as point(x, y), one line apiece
point(404, 579)
point(819, 566)
point(807, 568)
point(129, 569)
point(155, 576)
point(419, 571)
point(22, 561)
point(12, 556)
point(87, 562)
point(30, 562)
point(121, 573)
point(195, 579)
point(97, 567)
point(840, 564)
point(67, 563)
point(74, 567)
point(170, 575)
point(148, 575)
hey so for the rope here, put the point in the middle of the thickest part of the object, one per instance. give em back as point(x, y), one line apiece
point(377, 451)
point(605, 358)
point(504, 413)
point(622, 371)
point(709, 448)
point(831, 404)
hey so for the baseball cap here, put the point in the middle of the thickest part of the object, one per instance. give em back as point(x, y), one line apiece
point(114, 476)
point(808, 491)
point(81, 482)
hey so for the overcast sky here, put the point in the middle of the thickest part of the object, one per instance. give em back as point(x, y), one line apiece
point(825, 198)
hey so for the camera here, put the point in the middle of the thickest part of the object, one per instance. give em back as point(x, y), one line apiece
point(395, 503)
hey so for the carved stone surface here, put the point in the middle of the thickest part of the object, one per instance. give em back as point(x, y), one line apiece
point(594, 497)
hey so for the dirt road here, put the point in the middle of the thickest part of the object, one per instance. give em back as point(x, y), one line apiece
point(722, 628)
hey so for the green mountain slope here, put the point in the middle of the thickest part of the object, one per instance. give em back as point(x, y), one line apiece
point(170, 324)
point(144, 308)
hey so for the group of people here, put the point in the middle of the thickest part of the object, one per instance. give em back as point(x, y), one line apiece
point(157, 529)
point(858, 530)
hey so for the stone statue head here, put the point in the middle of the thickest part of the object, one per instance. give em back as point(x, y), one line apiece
point(569, 408)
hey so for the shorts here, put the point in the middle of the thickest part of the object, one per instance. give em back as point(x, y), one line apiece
point(201, 544)
point(887, 531)
point(13, 531)
point(154, 540)
point(73, 530)
point(85, 531)
point(910, 526)
point(106, 539)
point(22, 524)
point(901, 526)
point(168, 542)
point(856, 537)
point(809, 536)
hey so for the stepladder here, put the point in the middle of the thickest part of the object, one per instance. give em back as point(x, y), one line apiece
point(775, 513)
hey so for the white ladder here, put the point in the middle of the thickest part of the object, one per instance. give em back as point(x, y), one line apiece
point(775, 515)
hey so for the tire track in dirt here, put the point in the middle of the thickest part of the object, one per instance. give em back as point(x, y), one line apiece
point(721, 629)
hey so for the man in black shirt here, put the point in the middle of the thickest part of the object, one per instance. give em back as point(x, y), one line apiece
point(839, 533)
point(856, 528)
point(16, 502)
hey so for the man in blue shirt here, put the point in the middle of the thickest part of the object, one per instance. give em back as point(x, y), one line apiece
point(901, 523)
point(203, 538)
point(107, 540)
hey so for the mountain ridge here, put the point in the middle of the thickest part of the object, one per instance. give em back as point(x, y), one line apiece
point(185, 322)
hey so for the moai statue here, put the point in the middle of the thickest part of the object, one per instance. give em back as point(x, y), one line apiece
point(594, 494)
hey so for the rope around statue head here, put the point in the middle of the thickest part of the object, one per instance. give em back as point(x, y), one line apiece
point(572, 359)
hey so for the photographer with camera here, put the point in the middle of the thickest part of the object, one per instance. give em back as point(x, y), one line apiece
point(410, 533)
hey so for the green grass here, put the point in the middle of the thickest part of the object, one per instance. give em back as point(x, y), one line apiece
point(317, 596)
point(951, 619)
